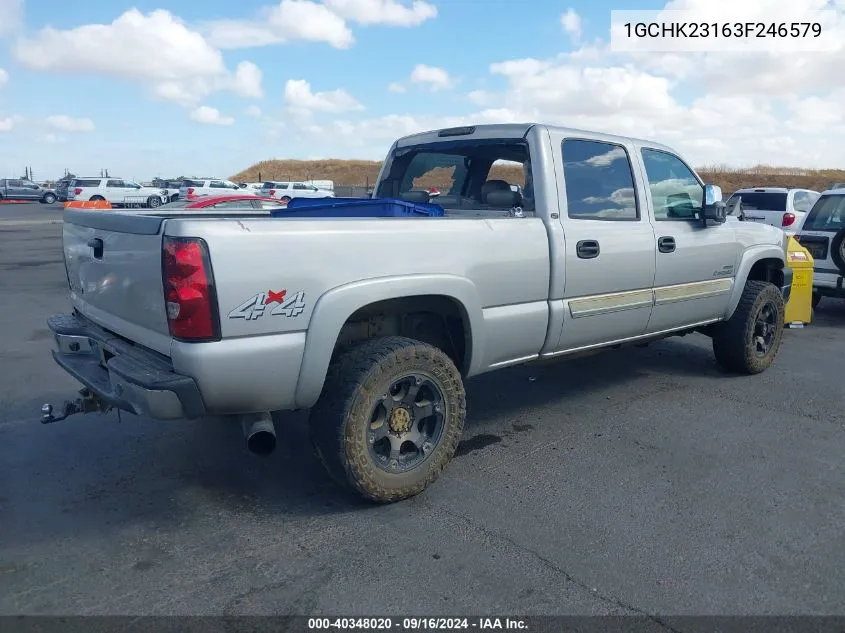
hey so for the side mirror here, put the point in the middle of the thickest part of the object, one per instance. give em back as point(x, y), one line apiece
point(714, 209)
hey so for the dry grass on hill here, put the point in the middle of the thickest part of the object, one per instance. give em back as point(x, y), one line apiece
point(364, 172)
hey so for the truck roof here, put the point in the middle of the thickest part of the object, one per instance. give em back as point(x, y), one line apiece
point(519, 130)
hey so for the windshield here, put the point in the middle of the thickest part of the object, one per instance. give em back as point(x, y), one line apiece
point(465, 173)
point(756, 200)
point(828, 214)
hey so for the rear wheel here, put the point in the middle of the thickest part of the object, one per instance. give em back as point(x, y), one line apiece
point(49, 198)
point(285, 199)
point(390, 417)
point(154, 202)
point(817, 299)
point(97, 199)
point(749, 341)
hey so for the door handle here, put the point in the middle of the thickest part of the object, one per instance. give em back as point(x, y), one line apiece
point(587, 249)
point(666, 244)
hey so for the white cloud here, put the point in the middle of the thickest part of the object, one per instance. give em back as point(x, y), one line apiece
point(247, 81)
point(54, 139)
point(310, 21)
point(385, 12)
point(397, 87)
point(300, 98)
point(431, 76)
point(253, 111)
point(571, 23)
point(11, 17)
point(8, 123)
point(480, 97)
point(210, 116)
point(155, 49)
point(4, 77)
point(65, 123)
point(288, 21)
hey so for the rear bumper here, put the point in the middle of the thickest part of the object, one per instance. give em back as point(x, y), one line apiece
point(127, 377)
point(828, 282)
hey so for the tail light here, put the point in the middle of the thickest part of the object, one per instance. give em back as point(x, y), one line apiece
point(788, 219)
point(189, 290)
point(190, 191)
point(272, 192)
point(77, 191)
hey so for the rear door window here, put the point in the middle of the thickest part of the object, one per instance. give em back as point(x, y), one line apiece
point(828, 214)
point(217, 184)
point(762, 201)
point(117, 184)
point(193, 183)
point(599, 181)
point(86, 183)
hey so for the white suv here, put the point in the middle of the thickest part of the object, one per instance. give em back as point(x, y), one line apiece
point(121, 193)
point(286, 191)
point(194, 187)
point(779, 206)
point(823, 234)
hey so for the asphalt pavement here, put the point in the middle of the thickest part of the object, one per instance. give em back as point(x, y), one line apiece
point(634, 481)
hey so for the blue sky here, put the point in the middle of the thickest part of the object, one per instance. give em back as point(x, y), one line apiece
point(159, 92)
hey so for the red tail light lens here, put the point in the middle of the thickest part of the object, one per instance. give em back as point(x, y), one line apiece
point(77, 191)
point(272, 192)
point(788, 219)
point(189, 290)
point(190, 191)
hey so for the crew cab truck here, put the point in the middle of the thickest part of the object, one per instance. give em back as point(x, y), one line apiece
point(22, 189)
point(374, 323)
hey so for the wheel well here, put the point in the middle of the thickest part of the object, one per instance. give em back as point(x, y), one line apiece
point(435, 319)
point(769, 269)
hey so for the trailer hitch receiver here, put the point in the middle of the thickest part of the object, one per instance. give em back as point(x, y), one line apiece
point(88, 402)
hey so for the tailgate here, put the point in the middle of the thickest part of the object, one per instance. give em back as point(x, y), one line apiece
point(113, 265)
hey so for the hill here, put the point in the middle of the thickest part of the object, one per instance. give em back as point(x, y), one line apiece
point(364, 172)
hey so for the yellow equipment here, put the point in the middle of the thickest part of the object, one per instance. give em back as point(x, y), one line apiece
point(799, 307)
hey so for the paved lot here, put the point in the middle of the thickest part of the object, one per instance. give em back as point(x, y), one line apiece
point(633, 481)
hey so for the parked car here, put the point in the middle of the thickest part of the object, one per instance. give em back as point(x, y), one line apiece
point(119, 192)
point(778, 206)
point(171, 187)
point(823, 235)
point(195, 187)
point(286, 191)
point(236, 201)
point(374, 324)
point(20, 189)
point(836, 185)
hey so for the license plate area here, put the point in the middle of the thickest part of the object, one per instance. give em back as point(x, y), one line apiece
point(818, 246)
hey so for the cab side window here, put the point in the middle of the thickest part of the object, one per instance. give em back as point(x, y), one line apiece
point(599, 181)
point(675, 191)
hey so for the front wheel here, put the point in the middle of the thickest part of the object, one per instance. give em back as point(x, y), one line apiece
point(49, 198)
point(390, 417)
point(154, 202)
point(749, 341)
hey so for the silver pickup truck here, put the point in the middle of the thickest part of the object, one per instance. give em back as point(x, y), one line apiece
point(374, 323)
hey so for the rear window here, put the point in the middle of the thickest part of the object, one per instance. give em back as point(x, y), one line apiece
point(268, 185)
point(193, 183)
point(85, 183)
point(828, 214)
point(761, 201)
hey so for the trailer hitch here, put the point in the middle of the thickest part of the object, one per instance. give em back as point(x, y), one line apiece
point(88, 402)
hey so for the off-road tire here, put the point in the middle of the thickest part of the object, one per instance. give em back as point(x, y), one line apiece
point(339, 422)
point(836, 250)
point(734, 341)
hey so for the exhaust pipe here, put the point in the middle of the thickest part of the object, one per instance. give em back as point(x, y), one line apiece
point(260, 433)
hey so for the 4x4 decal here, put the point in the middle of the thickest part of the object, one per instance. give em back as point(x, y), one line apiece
point(258, 305)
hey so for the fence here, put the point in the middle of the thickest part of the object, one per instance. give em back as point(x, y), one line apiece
point(352, 191)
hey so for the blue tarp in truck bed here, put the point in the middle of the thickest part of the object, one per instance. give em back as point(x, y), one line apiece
point(357, 208)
